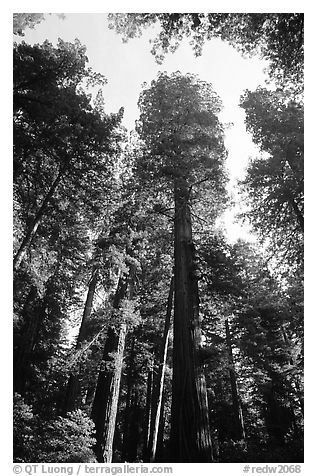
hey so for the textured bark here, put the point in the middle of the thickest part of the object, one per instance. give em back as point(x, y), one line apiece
point(73, 386)
point(190, 431)
point(158, 388)
point(37, 220)
point(104, 409)
point(237, 410)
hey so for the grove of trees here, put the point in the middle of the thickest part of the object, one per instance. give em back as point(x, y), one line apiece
point(141, 333)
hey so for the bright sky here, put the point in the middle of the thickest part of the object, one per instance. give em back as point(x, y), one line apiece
point(128, 65)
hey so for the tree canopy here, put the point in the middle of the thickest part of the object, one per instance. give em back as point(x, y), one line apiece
point(274, 184)
point(277, 37)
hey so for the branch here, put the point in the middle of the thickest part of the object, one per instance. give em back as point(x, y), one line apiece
point(199, 218)
point(80, 352)
point(198, 183)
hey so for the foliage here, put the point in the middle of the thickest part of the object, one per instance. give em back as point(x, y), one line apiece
point(21, 21)
point(183, 139)
point(23, 430)
point(274, 184)
point(59, 137)
point(236, 285)
point(67, 440)
point(60, 440)
point(277, 37)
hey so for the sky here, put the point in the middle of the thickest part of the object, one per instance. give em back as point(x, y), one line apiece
point(128, 65)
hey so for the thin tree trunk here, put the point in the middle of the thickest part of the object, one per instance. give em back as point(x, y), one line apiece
point(115, 389)
point(147, 415)
point(37, 220)
point(161, 454)
point(90, 393)
point(190, 431)
point(238, 417)
point(158, 388)
point(104, 409)
point(73, 386)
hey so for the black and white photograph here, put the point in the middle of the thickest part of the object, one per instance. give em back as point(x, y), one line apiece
point(158, 219)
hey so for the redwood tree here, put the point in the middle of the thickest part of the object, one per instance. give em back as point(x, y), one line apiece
point(184, 139)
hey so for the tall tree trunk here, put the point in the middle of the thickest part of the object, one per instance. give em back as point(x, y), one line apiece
point(127, 416)
point(190, 431)
point(37, 220)
point(237, 411)
point(73, 386)
point(147, 415)
point(104, 409)
point(158, 388)
point(161, 453)
point(115, 389)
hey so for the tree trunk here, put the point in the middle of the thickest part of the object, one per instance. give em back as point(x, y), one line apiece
point(73, 386)
point(277, 417)
point(190, 431)
point(33, 314)
point(135, 428)
point(115, 389)
point(147, 415)
point(237, 411)
point(88, 304)
point(37, 220)
point(158, 388)
point(161, 453)
point(129, 385)
point(104, 409)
